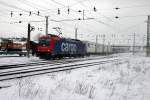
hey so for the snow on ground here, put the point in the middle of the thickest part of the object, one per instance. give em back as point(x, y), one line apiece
point(128, 80)
point(15, 59)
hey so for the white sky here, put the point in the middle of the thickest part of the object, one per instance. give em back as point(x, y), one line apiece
point(132, 18)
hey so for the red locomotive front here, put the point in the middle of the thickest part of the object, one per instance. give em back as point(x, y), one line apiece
point(46, 45)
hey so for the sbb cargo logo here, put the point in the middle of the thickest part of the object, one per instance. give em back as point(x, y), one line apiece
point(68, 47)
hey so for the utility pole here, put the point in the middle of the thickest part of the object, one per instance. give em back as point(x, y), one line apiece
point(148, 37)
point(103, 42)
point(96, 43)
point(30, 28)
point(108, 48)
point(46, 30)
point(143, 43)
point(76, 32)
point(28, 40)
point(133, 44)
point(83, 14)
point(129, 48)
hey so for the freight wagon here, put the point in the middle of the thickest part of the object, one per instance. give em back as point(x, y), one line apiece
point(96, 48)
point(8, 46)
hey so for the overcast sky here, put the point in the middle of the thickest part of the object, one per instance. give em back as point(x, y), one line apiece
point(132, 18)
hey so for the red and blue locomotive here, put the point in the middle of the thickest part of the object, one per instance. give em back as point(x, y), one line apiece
point(53, 46)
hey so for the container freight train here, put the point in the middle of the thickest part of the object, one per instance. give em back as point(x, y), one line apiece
point(53, 46)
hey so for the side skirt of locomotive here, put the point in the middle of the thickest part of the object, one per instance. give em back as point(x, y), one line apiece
point(57, 56)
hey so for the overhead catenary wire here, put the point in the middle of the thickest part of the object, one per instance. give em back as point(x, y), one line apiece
point(78, 2)
point(37, 6)
point(131, 27)
point(29, 4)
point(135, 6)
point(61, 5)
point(99, 21)
point(108, 18)
point(144, 15)
point(15, 7)
point(84, 15)
point(12, 6)
point(75, 11)
point(75, 20)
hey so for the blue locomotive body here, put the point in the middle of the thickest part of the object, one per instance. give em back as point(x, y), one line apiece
point(69, 47)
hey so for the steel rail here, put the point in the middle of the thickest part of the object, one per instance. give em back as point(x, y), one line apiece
point(44, 62)
point(48, 69)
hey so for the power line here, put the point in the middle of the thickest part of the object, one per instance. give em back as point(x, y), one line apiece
point(130, 27)
point(74, 4)
point(34, 4)
point(63, 5)
point(132, 16)
point(15, 7)
point(66, 19)
point(136, 6)
point(101, 22)
point(28, 4)
point(76, 11)
point(98, 21)
point(101, 15)
point(11, 6)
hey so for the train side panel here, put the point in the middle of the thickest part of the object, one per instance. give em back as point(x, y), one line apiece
point(69, 47)
point(93, 48)
point(110, 50)
point(90, 47)
point(99, 49)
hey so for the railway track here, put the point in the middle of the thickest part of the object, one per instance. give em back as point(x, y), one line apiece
point(45, 62)
point(19, 72)
point(27, 64)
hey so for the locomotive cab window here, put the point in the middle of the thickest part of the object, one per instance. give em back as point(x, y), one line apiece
point(44, 42)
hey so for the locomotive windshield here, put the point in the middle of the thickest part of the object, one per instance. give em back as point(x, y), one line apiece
point(44, 42)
